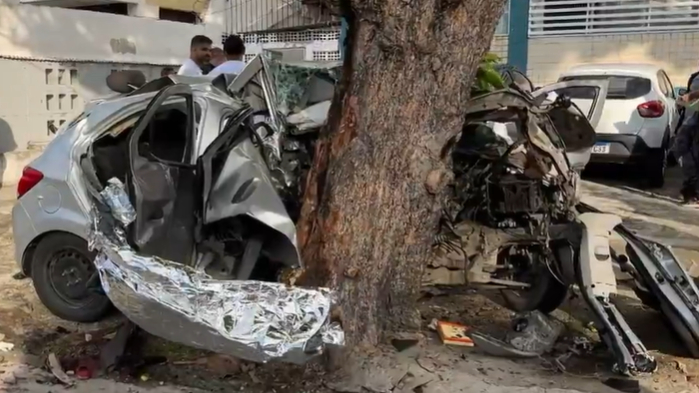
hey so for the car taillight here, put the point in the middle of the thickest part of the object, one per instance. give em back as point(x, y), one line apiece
point(30, 178)
point(651, 109)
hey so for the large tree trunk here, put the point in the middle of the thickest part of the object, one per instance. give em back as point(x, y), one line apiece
point(372, 201)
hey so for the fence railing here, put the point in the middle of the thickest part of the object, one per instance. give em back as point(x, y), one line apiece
point(251, 16)
point(581, 17)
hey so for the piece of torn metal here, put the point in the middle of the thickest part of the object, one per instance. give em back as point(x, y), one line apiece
point(532, 335)
point(494, 347)
point(251, 320)
point(534, 332)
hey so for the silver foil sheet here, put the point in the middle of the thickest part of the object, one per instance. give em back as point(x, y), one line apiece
point(251, 320)
point(114, 195)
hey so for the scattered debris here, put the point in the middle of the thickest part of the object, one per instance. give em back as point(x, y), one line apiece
point(19, 276)
point(57, 370)
point(196, 362)
point(83, 373)
point(534, 332)
point(8, 379)
point(495, 347)
point(433, 324)
point(6, 347)
point(403, 344)
point(623, 384)
point(681, 367)
point(454, 334)
point(88, 337)
point(114, 349)
point(581, 345)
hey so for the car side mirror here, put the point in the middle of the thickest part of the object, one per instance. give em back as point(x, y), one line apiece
point(680, 91)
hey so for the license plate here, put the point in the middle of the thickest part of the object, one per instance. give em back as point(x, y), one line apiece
point(600, 148)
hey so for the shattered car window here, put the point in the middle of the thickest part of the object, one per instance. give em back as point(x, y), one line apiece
point(297, 85)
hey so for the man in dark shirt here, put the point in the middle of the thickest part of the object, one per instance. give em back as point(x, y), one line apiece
point(686, 146)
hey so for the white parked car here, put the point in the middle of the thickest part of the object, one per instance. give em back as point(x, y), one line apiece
point(639, 117)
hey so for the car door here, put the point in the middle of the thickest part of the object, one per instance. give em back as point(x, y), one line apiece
point(163, 190)
point(576, 124)
point(235, 181)
point(670, 101)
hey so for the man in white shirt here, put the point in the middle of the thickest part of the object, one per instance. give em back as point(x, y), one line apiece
point(199, 55)
point(234, 47)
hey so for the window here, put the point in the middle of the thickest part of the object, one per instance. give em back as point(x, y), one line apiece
point(620, 87)
point(576, 17)
point(111, 8)
point(503, 27)
point(666, 80)
point(165, 138)
point(178, 15)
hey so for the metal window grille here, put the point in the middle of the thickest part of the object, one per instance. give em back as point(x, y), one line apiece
point(503, 26)
point(581, 17)
point(280, 15)
point(326, 56)
point(309, 35)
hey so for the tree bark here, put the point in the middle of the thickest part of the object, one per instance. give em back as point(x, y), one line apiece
point(373, 197)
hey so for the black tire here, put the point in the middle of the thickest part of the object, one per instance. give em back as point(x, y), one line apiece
point(655, 167)
point(545, 295)
point(60, 270)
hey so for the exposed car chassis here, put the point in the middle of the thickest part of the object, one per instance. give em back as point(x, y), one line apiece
point(538, 215)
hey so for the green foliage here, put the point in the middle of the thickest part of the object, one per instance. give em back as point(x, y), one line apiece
point(488, 77)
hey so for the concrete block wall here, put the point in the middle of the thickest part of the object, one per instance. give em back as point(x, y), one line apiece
point(38, 96)
point(677, 53)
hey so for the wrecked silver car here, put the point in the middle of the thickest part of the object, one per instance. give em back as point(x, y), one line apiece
point(188, 190)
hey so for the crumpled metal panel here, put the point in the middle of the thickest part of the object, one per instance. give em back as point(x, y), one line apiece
point(286, 87)
point(251, 320)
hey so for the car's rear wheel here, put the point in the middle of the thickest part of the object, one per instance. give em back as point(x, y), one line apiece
point(62, 270)
point(655, 167)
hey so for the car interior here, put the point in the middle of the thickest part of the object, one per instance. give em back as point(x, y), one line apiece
point(168, 205)
point(165, 139)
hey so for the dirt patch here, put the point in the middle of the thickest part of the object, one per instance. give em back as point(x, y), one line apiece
point(35, 332)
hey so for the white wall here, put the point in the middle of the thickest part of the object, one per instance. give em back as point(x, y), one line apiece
point(677, 53)
point(53, 60)
point(42, 32)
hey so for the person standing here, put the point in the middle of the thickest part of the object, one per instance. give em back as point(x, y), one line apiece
point(199, 55)
point(167, 71)
point(217, 58)
point(686, 147)
point(234, 48)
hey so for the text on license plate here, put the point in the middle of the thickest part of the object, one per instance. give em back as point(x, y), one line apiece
point(600, 148)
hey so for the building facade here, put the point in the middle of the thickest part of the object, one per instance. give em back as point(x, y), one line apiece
point(304, 30)
point(56, 54)
point(565, 33)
